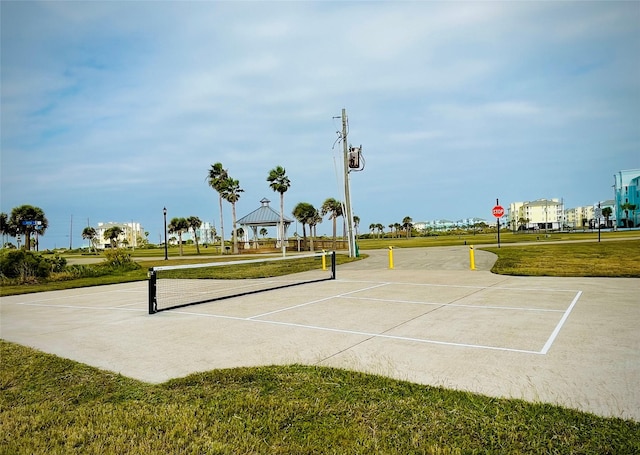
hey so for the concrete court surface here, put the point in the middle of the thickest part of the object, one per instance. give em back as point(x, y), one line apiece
point(430, 320)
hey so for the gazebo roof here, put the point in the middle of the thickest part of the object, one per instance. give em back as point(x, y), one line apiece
point(263, 216)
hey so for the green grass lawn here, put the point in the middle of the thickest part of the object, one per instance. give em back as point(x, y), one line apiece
point(52, 405)
point(506, 237)
point(618, 258)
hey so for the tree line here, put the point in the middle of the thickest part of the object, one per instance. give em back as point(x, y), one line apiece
point(229, 190)
point(31, 221)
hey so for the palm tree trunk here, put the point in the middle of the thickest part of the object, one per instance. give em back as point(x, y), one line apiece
point(284, 247)
point(304, 236)
point(334, 232)
point(235, 237)
point(180, 240)
point(221, 226)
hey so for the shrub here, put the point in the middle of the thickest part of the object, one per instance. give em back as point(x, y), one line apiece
point(119, 259)
point(29, 266)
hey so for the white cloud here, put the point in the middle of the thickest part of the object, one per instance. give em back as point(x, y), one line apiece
point(145, 96)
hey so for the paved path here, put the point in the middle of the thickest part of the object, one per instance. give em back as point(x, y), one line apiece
point(571, 341)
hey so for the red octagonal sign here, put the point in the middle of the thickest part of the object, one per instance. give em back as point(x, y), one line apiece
point(498, 211)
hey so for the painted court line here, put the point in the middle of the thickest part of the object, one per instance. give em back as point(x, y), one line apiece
point(346, 295)
point(315, 301)
point(359, 333)
point(80, 307)
point(553, 336)
point(401, 283)
point(482, 307)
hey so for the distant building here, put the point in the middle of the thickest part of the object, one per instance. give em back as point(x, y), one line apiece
point(544, 214)
point(132, 234)
point(627, 195)
point(579, 217)
point(206, 233)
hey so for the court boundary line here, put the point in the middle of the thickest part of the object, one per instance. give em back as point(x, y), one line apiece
point(560, 324)
point(480, 307)
point(370, 335)
point(457, 286)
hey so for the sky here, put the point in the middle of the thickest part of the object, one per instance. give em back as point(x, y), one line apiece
point(111, 111)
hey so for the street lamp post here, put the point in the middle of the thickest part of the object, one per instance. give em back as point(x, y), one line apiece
point(166, 253)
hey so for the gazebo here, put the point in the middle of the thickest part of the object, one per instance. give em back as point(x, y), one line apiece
point(263, 216)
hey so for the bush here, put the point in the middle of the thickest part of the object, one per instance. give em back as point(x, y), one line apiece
point(119, 259)
point(29, 266)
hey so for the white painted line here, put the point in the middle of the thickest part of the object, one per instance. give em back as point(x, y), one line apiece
point(359, 333)
point(553, 336)
point(69, 297)
point(315, 301)
point(76, 307)
point(482, 307)
point(461, 286)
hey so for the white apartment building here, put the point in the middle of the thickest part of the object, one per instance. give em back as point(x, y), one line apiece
point(541, 214)
point(580, 217)
point(131, 235)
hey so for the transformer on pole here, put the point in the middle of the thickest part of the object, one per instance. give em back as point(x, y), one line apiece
point(351, 161)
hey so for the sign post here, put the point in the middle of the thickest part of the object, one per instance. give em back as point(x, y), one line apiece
point(598, 214)
point(498, 212)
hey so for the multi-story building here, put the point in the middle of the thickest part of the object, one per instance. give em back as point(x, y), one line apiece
point(131, 235)
point(546, 214)
point(627, 197)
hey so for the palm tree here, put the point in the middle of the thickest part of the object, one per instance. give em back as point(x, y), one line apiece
point(178, 226)
point(626, 207)
point(5, 228)
point(90, 234)
point(279, 182)
point(606, 213)
point(194, 224)
point(263, 232)
point(356, 223)
point(27, 214)
point(112, 235)
point(302, 212)
point(380, 229)
point(407, 224)
point(314, 219)
point(216, 178)
point(372, 228)
point(231, 193)
point(334, 209)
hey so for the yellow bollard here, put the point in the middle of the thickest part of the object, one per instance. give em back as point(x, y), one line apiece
point(324, 260)
point(472, 258)
point(391, 257)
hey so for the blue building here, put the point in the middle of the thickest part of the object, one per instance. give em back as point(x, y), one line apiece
point(627, 198)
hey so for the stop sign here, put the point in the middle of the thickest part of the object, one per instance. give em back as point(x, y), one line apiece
point(498, 211)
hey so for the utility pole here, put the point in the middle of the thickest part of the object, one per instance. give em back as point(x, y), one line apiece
point(347, 192)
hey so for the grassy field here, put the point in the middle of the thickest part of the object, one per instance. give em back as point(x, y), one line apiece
point(506, 237)
point(140, 274)
point(618, 258)
point(51, 405)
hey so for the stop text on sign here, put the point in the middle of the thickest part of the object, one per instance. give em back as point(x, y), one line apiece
point(498, 211)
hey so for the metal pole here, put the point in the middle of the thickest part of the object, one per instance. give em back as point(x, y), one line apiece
point(153, 307)
point(166, 253)
point(598, 220)
point(347, 192)
point(498, 226)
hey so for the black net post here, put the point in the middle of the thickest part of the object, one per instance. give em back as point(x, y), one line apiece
point(333, 265)
point(153, 308)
